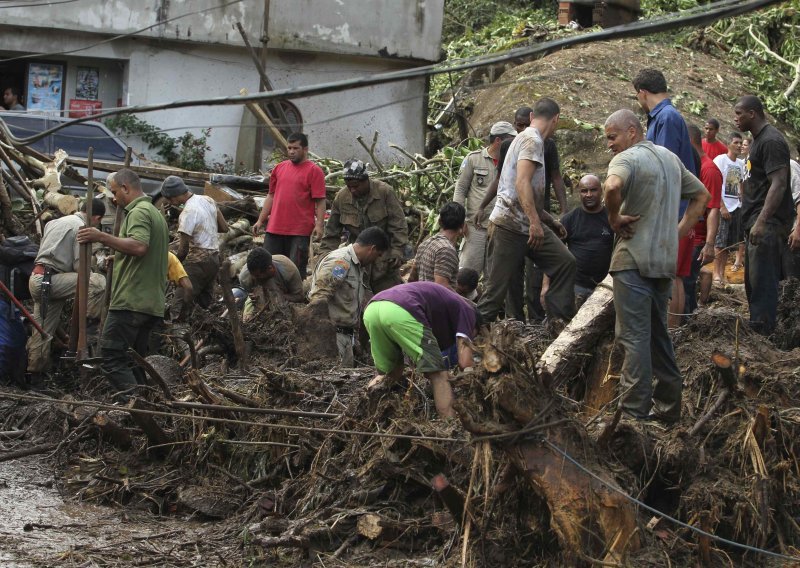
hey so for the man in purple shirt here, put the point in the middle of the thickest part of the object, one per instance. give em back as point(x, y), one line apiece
point(420, 320)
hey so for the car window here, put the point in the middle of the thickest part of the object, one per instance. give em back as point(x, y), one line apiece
point(25, 126)
point(76, 139)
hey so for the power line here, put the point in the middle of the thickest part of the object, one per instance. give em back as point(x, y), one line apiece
point(632, 499)
point(709, 13)
point(121, 36)
point(32, 5)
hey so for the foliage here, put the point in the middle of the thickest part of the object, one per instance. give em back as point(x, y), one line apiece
point(463, 17)
point(423, 185)
point(777, 27)
point(187, 151)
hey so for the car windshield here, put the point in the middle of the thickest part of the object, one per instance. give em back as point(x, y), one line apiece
point(76, 139)
point(23, 127)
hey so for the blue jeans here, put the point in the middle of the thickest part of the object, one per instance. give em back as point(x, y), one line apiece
point(641, 329)
point(763, 269)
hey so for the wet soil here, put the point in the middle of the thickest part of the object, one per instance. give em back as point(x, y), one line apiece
point(39, 527)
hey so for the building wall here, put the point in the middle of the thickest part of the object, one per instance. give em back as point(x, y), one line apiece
point(389, 28)
point(332, 122)
point(146, 72)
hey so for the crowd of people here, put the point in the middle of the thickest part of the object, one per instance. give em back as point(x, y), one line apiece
point(674, 202)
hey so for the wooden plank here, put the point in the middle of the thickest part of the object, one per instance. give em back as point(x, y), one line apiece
point(149, 172)
point(259, 113)
point(85, 268)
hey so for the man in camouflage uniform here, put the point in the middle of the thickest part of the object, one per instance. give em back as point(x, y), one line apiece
point(340, 280)
point(478, 171)
point(368, 203)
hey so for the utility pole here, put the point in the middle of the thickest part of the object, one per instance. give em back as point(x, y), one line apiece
point(258, 153)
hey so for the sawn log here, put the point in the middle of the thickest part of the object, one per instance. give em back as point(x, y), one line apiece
point(567, 354)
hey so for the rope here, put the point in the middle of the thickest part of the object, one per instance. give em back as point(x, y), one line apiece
point(664, 515)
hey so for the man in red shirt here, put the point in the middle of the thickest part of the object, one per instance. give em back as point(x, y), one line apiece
point(295, 206)
point(705, 232)
point(711, 146)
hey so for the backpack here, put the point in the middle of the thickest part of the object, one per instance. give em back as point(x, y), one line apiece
point(17, 256)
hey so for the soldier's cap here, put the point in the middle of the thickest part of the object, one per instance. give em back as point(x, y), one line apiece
point(173, 186)
point(501, 128)
point(355, 169)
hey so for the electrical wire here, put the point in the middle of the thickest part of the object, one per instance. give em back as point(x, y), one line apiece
point(32, 5)
point(661, 514)
point(104, 406)
point(121, 36)
point(701, 15)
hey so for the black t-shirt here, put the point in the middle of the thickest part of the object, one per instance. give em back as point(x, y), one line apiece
point(591, 241)
point(768, 153)
point(552, 163)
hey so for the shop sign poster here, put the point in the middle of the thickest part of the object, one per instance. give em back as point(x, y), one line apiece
point(45, 86)
point(87, 83)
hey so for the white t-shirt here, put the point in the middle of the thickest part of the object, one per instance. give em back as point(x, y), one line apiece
point(507, 212)
point(732, 175)
point(199, 220)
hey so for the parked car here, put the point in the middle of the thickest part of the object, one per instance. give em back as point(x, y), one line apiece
point(75, 140)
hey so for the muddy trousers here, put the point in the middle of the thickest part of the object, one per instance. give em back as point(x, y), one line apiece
point(507, 252)
point(526, 290)
point(203, 275)
point(763, 269)
point(295, 247)
point(473, 249)
point(641, 330)
point(344, 344)
point(125, 329)
point(62, 288)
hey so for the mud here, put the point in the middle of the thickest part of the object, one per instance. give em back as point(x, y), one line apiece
point(39, 527)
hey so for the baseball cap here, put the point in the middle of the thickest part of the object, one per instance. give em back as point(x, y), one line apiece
point(501, 128)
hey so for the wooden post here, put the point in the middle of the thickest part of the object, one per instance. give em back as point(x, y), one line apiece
point(262, 116)
point(264, 84)
point(85, 268)
point(120, 211)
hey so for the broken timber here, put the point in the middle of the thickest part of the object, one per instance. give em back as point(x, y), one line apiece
point(563, 360)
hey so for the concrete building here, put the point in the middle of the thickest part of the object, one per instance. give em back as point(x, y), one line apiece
point(87, 54)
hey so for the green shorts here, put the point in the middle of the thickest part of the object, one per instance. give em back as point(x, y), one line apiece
point(394, 332)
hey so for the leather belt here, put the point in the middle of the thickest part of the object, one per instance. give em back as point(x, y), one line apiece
point(345, 330)
point(40, 269)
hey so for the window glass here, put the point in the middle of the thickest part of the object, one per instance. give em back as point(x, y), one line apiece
point(25, 126)
point(76, 139)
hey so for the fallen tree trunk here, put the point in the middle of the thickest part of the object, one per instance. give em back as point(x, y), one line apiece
point(575, 345)
point(588, 517)
point(65, 204)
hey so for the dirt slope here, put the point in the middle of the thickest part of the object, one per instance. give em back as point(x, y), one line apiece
point(592, 81)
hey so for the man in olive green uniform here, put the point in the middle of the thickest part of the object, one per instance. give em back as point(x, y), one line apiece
point(478, 171)
point(368, 203)
point(139, 279)
point(340, 279)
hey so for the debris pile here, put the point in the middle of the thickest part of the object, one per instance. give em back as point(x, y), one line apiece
point(291, 457)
